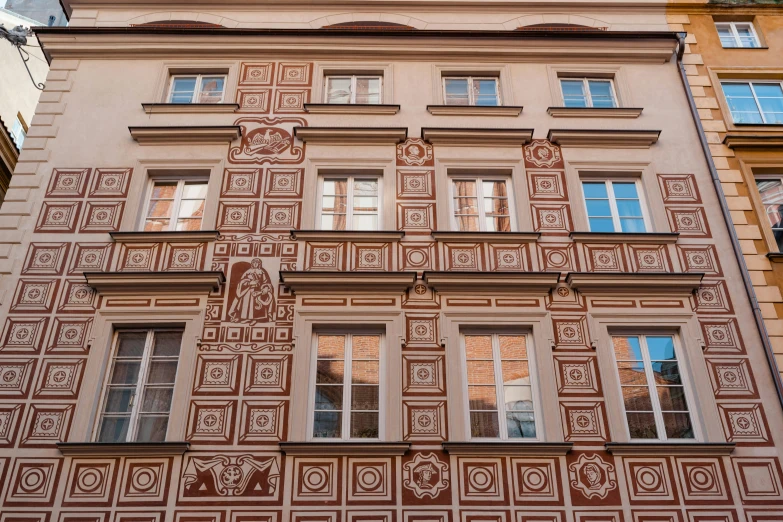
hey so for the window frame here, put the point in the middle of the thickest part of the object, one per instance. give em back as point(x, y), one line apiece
point(755, 99)
point(497, 365)
point(609, 181)
point(354, 78)
point(197, 91)
point(350, 176)
point(479, 178)
point(471, 95)
point(181, 182)
point(586, 86)
point(345, 428)
point(766, 226)
point(18, 132)
point(140, 384)
point(735, 34)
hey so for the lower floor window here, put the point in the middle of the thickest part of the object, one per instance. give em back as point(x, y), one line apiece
point(771, 192)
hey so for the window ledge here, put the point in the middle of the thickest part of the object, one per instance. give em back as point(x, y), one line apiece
point(696, 449)
point(347, 282)
point(775, 257)
point(531, 283)
point(733, 141)
point(355, 108)
point(190, 108)
point(137, 449)
point(388, 449)
point(624, 237)
point(485, 137)
point(196, 236)
point(655, 283)
point(744, 48)
point(124, 283)
point(475, 110)
point(352, 135)
point(616, 139)
point(369, 236)
point(205, 135)
point(522, 449)
point(595, 112)
point(494, 237)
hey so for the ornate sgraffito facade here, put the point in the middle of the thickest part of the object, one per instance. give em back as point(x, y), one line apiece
point(283, 361)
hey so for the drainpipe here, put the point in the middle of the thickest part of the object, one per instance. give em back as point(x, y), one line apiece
point(735, 244)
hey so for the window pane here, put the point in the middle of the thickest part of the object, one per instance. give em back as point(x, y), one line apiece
point(771, 192)
point(338, 90)
point(574, 93)
point(601, 93)
point(632, 373)
point(368, 90)
point(627, 348)
point(632, 225)
point(191, 208)
point(364, 425)
point(513, 346)
point(364, 372)
point(162, 372)
point(483, 397)
point(131, 344)
point(661, 348)
point(183, 89)
point(157, 400)
point(637, 398)
point(520, 425)
point(114, 429)
point(189, 224)
point(485, 92)
point(118, 400)
point(747, 38)
point(167, 344)
point(518, 398)
point(331, 346)
point(741, 102)
point(601, 225)
point(478, 346)
point(366, 346)
point(328, 398)
point(484, 424)
point(365, 397)
point(152, 429)
point(642, 426)
point(667, 372)
point(125, 372)
point(330, 372)
point(726, 35)
point(156, 225)
point(160, 209)
point(625, 190)
point(481, 372)
point(457, 91)
point(515, 372)
point(194, 191)
point(164, 190)
point(678, 425)
point(327, 424)
point(598, 207)
point(770, 98)
point(212, 89)
point(365, 222)
point(672, 398)
point(595, 190)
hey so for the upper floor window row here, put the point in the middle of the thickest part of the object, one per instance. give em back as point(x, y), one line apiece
point(737, 34)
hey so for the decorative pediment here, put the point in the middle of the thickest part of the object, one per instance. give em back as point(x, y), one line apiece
point(660, 283)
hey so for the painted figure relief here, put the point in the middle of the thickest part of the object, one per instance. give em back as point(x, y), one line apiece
point(253, 296)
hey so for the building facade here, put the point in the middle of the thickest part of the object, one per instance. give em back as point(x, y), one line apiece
point(454, 261)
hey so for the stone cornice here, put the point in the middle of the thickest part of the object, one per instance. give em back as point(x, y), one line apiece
point(198, 236)
point(137, 449)
point(594, 112)
point(696, 449)
point(656, 283)
point(347, 282)
point(477, 137)
point(190, 135)
point(741, 139)
point(189, 108)
point(352, 108)
point(624, 237)
point(345, 448)
point(530, 283)
point(516, 449)
point(124, 283)
point(352, 135)
point(489, 237)
point(474, 110)
point(357, 236)
point(615, 139)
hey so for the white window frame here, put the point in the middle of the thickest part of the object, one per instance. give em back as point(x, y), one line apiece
point(736, 36)
point(657, 410)
point(471, 94)
point(353, 78)
point(181, 181)
point(18, 133)
point(609, 182)
point(497, 362)
point(144, 367)
point(586, 88)
point(197, 90)
point(478, 179)
point(755, 99)
point(345, 428)
point(350, 176)
point(763, 218)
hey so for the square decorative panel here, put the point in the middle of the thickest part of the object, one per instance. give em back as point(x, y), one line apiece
point(280, 216)
point(23, 335)
point(256, 74)
point(283, 183)
point(295, 74)
point(46, 258)
point(34, 295)
point(110, 183)
point(70, 183)
point(290, 101)
point(262, 422)
point(241, 183)
point(60, 217)
point(254, 100)
point(237, 216)
point(415, 184)
point(102, 217)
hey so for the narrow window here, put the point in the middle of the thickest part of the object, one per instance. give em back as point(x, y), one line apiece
point(500, 392)
point(613, 206)
point(140, 386)
point(771, 192)
point(354, 89)
point(481, 204)
point(197, 88)
point(350, 203)
point(737, 34)
point(754, 102)
point(652, 387)
point(347, 397)
point(175, 205)
point(19, 131)
point(469, 90)
point(588, 92)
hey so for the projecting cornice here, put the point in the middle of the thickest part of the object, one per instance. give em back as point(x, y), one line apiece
point(347, 282)
point(352, 108)
point(185, 135)
point(474, 110)
point(613, 139)
point(352, 135)
point(477, 137)
point(594, 112)
point(135, 283)
point(190, 108)
point(658, 283)
point(756, 141)
point(530, 283)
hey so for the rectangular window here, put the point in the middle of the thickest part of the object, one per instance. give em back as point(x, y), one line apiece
point(652, 387)
point(469, 90)
point(500, 392)
point(614, 206)
point(347, 386)
point(175, 205)
point(140, 386)
point(197, 88)
point(588, 92)
point(754, 102)
point(481, 204)
point(354, 89)
point(18, 132)
point(350, 203)
point(771, 192)
point(737, 34)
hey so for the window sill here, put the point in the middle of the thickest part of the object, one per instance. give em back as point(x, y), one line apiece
point(474, 110)
point(352, 135)
point(618, 139)
point(356, 108)
point(775, 257)
point(745, 48)
point(624, 237)
point(643, 283)
point(313, 449)
point(330, 283)
point(521, 449)
point(124, 283)
point(531, 283)
point(494, 237)
point(124, 449)
point(190, 108)
point(196, 236)
point(733, 141)
point(696, 449)
point(185, 135)
point(479, 137)
point(595, 112)
point(370, 236)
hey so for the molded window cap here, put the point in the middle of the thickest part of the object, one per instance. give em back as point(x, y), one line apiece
point(319, 448)
point(531, 283)
point(124, 283)
point(352, 135)
point(696, 449)
point(618, 139)
point(625, 237)
point(185, 236)
point(775, 257)
point(357, 236)
point(347, 282)
point(475, 110)
point(523, 449)
point(189, 108)
point(655, 283)
point(137, 449)
point(494, 237)
point(733, 141)
point(352, 108)
point(185, 135)
point(595, 112)
point(490, 137)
